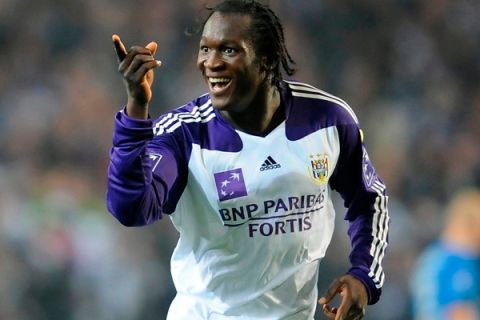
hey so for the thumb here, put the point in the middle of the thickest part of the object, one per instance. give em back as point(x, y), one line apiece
point(334, 288)
point(152, 46)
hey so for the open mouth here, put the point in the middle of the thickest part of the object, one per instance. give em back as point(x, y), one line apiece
point(217, 85)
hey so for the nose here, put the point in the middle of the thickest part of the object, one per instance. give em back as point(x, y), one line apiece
point(213, 60)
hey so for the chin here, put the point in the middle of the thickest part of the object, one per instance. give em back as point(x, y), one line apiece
point(220, 104)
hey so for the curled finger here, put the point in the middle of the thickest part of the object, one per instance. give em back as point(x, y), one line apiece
point(143, 69)
point(137, 62)
point(355, 313)
point(133, 52)
point(329, 311)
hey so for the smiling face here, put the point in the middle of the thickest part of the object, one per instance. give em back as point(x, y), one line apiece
point(228, 62)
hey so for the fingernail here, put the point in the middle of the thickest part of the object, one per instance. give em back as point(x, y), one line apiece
point(159, 63)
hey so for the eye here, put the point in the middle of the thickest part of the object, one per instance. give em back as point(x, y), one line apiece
point(204, 49)
point(229, 51)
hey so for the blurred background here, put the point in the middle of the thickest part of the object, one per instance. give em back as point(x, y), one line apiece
point(409, 68)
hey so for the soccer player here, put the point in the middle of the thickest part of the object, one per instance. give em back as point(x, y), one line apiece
point(446, 280)
point(245, 173)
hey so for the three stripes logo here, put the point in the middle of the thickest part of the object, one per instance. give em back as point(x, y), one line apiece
point(269, 164)
point(172, 121)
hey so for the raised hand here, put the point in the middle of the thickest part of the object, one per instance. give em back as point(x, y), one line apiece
point(354, 299)
point(136, 66)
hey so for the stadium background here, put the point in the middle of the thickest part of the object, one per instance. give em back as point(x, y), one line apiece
point(410, 69)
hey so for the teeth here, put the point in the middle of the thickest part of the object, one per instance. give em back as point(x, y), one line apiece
point(219, 80)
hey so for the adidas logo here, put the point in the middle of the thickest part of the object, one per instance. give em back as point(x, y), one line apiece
point(269, 164)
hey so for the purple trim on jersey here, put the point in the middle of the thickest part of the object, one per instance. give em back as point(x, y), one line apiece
point(309, 110)
point(138, 196)
point(134, 196)
point(307, 115)
point(359, 198)
point(361, 273)
point(127, 187)
point(215, 134)
point(171, 173)
point(211, 135)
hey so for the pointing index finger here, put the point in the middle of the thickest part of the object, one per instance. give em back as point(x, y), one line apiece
point(119, 48)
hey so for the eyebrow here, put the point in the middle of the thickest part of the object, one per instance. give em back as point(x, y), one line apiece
point(224, 42)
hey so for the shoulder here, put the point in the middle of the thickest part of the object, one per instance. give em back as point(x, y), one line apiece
point(311, 109)
point(197, 123)
point(198, 111)
point(310, 98)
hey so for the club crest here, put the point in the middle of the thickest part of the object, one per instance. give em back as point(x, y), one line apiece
point(319, 168)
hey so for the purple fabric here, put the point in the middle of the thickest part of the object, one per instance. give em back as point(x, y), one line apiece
point(129, 188)
point(148, 173)
point(215, 134)
point(353, 176)
point(230, 184)
point(305, 116)
point(361, 273)
point(359, 198)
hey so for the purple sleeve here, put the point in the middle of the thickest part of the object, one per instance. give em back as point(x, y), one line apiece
point(135, 194)
point(365, 198)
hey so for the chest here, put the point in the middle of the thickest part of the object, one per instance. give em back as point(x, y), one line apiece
point(266, 167)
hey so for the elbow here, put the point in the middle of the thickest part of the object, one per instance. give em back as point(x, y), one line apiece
point(133, 207)
point(126, 220)
point(131, 215)
point(126, 216)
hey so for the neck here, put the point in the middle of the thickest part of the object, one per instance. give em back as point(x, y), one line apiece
point(263, 115)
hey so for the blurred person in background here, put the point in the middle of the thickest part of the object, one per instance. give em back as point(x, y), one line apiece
point(230, 169)
point(446, 281)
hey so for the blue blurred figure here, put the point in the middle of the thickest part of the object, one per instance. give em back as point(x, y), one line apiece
point(446, 281)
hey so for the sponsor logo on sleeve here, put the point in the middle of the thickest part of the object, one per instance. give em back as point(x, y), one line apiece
point(369, 175)
point(155, 158)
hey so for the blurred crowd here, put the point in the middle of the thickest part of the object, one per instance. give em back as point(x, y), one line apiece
point(409, 68)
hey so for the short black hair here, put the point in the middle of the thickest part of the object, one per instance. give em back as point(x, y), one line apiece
point(266, 32)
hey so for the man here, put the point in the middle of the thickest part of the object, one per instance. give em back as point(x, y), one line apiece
point(244, 174)
point(446, 281)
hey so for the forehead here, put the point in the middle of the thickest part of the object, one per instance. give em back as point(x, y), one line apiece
point(227, 27)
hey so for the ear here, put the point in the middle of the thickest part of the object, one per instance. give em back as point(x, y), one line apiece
point(264, 65)
point(267, 68)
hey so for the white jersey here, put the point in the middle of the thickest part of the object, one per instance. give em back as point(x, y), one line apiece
point(254, 214)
